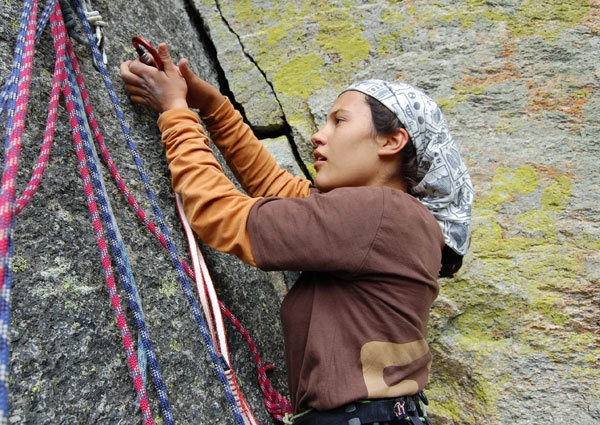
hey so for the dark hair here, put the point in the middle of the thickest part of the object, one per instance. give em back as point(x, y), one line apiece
point(386, 122)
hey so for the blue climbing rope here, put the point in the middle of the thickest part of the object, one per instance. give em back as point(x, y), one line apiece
point(9, 88)
point(8, 98)
point(18, 92)
point(187, 288)
point(115, 241)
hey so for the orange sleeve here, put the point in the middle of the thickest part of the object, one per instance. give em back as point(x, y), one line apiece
point(216, 210)
point(254, 167)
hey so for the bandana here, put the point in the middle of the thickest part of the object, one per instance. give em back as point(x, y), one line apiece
point(444, 185)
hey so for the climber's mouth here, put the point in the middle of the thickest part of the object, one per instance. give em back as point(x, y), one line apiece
point(319, 159)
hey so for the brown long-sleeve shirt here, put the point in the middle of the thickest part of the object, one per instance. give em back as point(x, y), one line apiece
point(355, 322)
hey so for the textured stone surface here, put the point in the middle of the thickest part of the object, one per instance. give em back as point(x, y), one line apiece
point(252, 92)
point(514, 334)
point(67, 360)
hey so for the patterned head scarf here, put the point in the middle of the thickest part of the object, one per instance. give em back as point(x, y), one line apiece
point(444, 185)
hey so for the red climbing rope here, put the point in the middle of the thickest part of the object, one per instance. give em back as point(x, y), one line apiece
point(13, 152)
point(275, 403)
point(62, 47)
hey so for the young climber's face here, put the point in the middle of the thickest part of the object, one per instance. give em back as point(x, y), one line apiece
point(346, 147)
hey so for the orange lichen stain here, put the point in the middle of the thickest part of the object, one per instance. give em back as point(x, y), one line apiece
point(487, 76)
point(592, 19)
point(557, 94)
point(550, 172)
point(509, 49)
point(491, 76)
point(479, 79)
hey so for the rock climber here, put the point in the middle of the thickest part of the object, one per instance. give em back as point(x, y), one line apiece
point(388, 213)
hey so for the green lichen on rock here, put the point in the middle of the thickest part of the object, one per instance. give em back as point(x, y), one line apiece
point(556, 196)
point(168, 285)
point(533, 18)
point(311, 170)
point(300, 76)
point(337, 38)
point(18, 264)
point(294, 57)
point(446, 407)
point(397, 27)
point(465, 14)
point(519, 300)
point(507, 184)
point(447, 105)
point(547, 18)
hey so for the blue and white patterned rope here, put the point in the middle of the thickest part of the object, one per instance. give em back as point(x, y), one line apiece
point(9, 89)
point(116, 241)
point(18, 92)
point(187, 288)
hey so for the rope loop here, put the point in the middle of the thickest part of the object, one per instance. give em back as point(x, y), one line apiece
point(93, 18)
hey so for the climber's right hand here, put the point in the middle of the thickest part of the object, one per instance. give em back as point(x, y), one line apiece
point(159, 90)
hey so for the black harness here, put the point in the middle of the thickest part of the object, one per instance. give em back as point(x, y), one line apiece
point(399, 410)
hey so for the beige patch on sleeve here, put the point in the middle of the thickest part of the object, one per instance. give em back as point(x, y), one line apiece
point(378, 355)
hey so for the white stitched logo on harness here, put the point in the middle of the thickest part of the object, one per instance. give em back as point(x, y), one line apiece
point(399, 409)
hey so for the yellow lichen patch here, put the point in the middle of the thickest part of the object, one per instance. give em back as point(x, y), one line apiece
point(538, 225)
point(465, 14)
point(528, 282)
point(506, 185)
point(505, 126)
point(548, 17)
point(557, 195)
point(311, 170)
point(18, 264)
point(390, 42)
point(338, 38)
point(482, 10)
point(245, 10)
point(316, 44)
point(299, 76)
point(447, 409)
point(168, 285)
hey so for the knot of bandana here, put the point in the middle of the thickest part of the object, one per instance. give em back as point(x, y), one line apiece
point(444, 185)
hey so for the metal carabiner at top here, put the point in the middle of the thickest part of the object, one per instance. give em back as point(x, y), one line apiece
point(147, 53)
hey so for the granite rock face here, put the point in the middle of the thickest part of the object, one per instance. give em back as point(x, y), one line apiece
point(514, 334)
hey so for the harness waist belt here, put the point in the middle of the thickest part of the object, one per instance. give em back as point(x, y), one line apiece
point(405, 408)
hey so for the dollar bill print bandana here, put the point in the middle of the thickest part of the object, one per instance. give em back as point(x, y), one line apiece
point(444, 185)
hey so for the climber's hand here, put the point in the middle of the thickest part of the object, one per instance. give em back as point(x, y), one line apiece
point(159, 90)
point(201, 95)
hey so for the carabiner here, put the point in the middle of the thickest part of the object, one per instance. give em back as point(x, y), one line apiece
point(147, 53)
